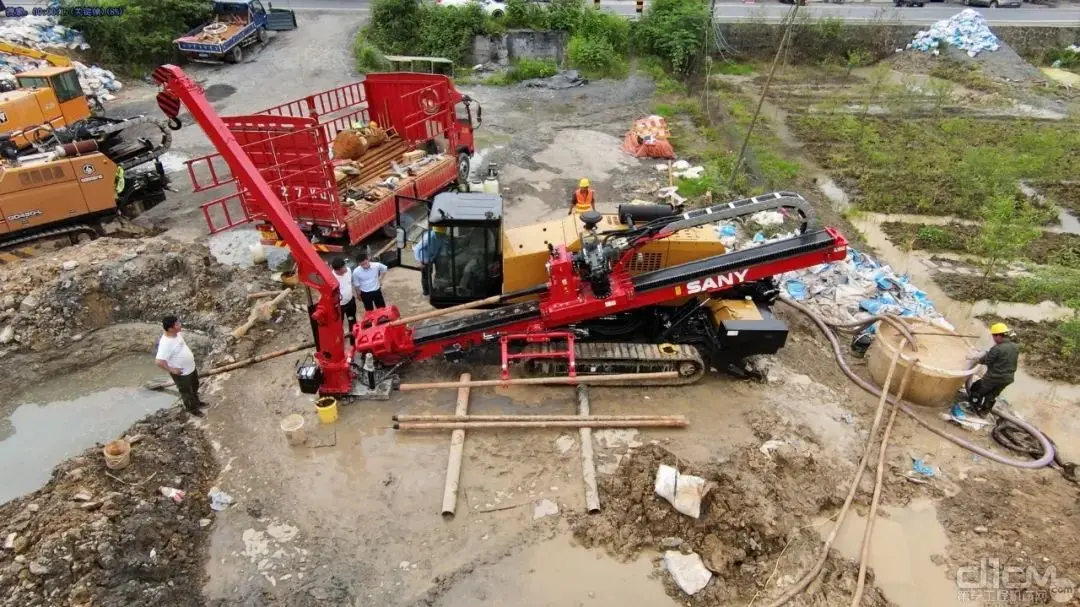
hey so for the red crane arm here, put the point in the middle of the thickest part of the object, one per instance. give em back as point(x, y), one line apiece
point(311, 269)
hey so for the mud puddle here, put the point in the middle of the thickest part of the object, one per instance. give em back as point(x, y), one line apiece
point(57, 420)
point(902, 554)
point(554, 573)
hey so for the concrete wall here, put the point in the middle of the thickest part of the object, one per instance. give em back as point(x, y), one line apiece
point(813, 42)
point(519, 44)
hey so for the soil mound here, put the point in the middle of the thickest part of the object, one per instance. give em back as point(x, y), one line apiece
point(88, 538)
point(760, 507)
point(50, 300)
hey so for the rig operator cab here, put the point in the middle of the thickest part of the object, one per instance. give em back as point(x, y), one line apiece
point(463, 245)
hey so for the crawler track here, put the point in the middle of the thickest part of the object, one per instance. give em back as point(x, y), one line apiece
point(599, 358)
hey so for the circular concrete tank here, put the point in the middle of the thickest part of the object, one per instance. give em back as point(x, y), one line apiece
point(941, 369)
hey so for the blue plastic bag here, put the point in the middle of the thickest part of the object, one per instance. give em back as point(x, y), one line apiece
point(796, 289)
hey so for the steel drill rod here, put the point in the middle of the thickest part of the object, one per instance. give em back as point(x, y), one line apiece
point(494, 299)
point(580, 423)
point(457, 446)
point(538, 418)
point(588, 465)
point(534, 381)
point(162, 384)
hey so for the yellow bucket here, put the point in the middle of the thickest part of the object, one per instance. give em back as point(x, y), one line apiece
point(326, 407)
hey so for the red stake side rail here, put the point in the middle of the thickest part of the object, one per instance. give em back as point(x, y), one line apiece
point(290, 143)
point(570, 301)
point(312, 271)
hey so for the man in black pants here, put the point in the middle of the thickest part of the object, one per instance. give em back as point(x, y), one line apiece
point(348, 303)
point(1001, 362)
point(175, 356)
point(367, 276)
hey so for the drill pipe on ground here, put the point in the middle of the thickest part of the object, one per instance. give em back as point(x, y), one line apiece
point(588, 466)
point(581, 423)
point(457, 446)
point(534, 418)
point(533, 381)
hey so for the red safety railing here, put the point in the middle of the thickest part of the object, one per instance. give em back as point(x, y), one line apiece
point(291, 155)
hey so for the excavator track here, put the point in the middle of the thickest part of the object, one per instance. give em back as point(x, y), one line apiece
point(9, 255)
point(601, 358)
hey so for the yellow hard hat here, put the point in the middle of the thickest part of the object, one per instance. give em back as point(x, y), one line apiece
point(999, 328)
point(439, 229)
point(584, 183)
point(373, 124)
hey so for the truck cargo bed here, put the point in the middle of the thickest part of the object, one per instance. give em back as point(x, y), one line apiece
point(367, 217)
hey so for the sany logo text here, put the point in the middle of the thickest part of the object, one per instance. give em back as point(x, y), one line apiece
point(716, 282)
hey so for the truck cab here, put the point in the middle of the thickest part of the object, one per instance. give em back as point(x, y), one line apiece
point(48, 95)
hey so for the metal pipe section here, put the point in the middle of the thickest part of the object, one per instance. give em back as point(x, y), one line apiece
point(457, 447)
point(543, 381)
point(540, 418)
point(588, 464)
point(569, 424)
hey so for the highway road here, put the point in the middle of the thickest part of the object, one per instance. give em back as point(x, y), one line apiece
point(772, 11)
point(861, 12)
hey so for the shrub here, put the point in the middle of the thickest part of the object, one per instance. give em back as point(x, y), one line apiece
point(368, 58)
point(595, 57)
point(671, 30)
point(525, 69)
point(405, 27)
point(141, 38)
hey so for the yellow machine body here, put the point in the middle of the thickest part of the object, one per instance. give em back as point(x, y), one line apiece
point(58, 191)
point(525, 248)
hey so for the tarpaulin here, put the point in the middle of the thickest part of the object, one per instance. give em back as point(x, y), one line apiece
point(649, 138)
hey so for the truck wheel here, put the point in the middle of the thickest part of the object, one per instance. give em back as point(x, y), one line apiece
point(263, 36)
point(235, 54)
point(463, 165)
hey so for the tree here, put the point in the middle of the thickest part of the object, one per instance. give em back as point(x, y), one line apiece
point(1009, 226)
point(142, 37)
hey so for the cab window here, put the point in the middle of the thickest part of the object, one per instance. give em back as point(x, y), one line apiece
point(66, 86)
point(33, 82)
point(468, 266)
point(257, 7)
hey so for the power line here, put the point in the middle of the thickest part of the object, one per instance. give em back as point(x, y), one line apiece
point(790, 18)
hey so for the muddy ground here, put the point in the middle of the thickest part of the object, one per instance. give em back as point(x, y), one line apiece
point(353, 517)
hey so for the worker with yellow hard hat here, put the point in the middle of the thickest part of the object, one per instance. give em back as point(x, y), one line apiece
point(584, 198)
point(1001, 361)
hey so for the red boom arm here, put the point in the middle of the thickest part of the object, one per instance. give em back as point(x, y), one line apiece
point(312, 271)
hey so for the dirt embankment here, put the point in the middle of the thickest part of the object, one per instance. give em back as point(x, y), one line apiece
point(761, 509)
point(109, 538)
point(53, 308)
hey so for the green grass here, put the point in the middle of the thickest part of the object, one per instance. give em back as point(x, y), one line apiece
point(524, 69)
point(937, 166)
point(1059, 284)
point(1050, 248)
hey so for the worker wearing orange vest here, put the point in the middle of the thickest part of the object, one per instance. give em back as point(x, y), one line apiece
point(584, 199)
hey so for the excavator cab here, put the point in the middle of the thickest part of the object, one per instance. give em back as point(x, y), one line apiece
point(464, 234)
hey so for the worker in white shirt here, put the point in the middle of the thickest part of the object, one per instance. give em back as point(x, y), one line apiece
point(366, 277)
point(174, 355)
point(345, 289)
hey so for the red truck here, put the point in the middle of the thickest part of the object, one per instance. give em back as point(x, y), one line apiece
point(290, 145)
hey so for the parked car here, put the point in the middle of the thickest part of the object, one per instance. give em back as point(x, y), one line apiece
point(801, 2)
point(993, 3)
point(900, 3)
point(495, 8)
